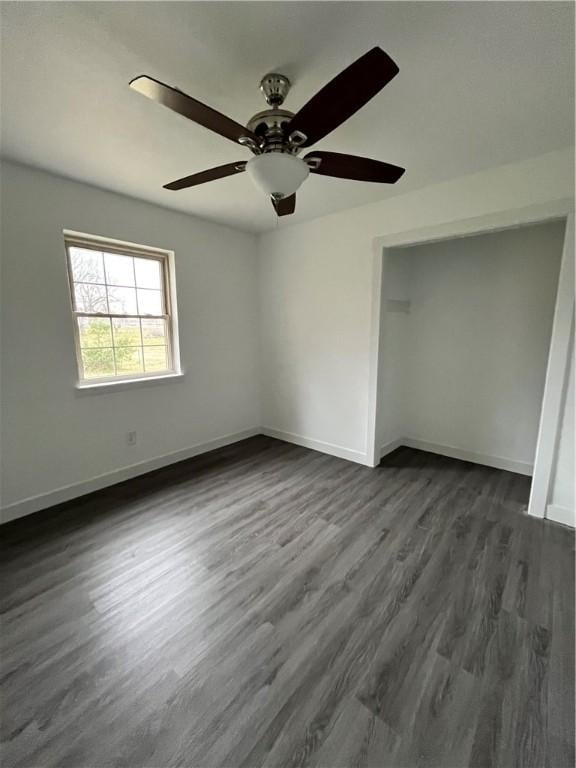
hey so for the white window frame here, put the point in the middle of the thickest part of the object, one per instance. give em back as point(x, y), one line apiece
point(170, 315)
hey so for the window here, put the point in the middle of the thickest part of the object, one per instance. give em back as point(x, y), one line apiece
point(122, 306)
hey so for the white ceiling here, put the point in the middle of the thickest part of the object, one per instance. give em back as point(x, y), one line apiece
point(480, 84)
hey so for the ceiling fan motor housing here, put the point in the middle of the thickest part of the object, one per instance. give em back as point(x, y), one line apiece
point(270, 127)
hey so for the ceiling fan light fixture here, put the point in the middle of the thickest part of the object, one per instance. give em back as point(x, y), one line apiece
point(275, 136)
point(277, 174)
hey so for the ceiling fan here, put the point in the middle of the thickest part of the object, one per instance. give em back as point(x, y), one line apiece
point(276, 136)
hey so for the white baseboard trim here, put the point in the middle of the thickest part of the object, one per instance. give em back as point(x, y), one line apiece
point(390, 446)
point(65, 493)
point(563, 515)
point(498, 462)
point(318, 445)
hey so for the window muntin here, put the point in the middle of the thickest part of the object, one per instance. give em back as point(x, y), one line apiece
point(122, 312)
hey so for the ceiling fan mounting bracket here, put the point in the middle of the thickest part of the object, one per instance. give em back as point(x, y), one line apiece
point(313, 162)
point(248, 141)
point(275, 88)
point(297, 139)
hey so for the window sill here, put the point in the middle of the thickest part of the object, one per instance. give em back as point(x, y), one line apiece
point(117, 386)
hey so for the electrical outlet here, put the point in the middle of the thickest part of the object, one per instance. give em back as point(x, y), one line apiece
point(131, 436)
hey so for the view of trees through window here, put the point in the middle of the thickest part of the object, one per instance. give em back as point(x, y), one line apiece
point(120, 311)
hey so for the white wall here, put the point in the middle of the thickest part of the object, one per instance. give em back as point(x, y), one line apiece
point(316, 295)
point(562, 506)
point(314, 315)
point(470, 357)
point(54, 436)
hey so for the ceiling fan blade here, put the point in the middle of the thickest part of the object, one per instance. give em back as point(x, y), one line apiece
point(353, 167)
point(190, 108)
point(285, 206)
point(343, 96)
point(211, 175)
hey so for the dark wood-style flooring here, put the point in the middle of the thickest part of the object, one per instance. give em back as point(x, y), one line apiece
point(266, 605)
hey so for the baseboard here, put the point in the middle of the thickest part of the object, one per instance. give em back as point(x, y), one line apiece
point(66, 493)
point(318, 445)
point(390, 446)
point(498, 462)
point(560, 514)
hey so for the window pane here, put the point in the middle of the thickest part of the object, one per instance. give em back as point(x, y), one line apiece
point(122, 301)
point(94, 332)
point(119, 269)
point(148, 273)
point(86, 265)
point(90, 298)
point(120, 305)
point(155, 359)
point(129, 360)
point(97, 363)
point(149, 302)
point(126, 332)
point(153, 332)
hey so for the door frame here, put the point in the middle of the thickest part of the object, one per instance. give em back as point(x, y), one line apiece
point(556, 369)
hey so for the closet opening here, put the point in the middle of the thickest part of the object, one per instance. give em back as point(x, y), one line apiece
point(464, 342)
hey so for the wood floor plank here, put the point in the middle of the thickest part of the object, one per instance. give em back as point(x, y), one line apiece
point(267, 605)
point(356, 737)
